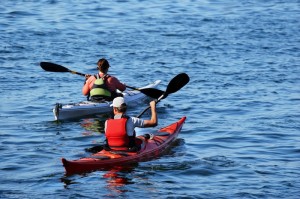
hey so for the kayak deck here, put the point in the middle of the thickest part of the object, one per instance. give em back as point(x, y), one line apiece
point(150, 149)
point(85, 108)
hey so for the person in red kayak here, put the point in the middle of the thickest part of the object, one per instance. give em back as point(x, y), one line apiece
point(119, 130)
point(102, 86)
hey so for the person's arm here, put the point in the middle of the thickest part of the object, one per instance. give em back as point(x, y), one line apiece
point(86, 86)
point(153, 121)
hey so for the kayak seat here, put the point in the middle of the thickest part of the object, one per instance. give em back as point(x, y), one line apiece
point(122, 153)
point(99, 100)
point(100, 157)
point(162, 134)
point(136, 148)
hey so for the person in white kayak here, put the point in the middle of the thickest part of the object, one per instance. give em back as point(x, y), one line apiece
point(102, 86)
point(119, 130)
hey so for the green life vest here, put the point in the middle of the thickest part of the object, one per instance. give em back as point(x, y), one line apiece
point(99, 89)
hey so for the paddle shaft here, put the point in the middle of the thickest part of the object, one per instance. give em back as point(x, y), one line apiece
point(132, 87)
point(146, 109)
point(77, 73)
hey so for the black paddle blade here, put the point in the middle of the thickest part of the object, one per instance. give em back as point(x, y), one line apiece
point(177, 83)
point(152, 92)
point(48, 66)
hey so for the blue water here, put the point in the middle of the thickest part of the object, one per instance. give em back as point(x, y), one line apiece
point(241, 138)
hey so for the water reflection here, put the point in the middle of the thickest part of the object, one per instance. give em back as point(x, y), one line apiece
point(117, 178)
point(92, 125)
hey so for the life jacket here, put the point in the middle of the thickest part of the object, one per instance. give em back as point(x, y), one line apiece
point(99, 89)
point(116, 135)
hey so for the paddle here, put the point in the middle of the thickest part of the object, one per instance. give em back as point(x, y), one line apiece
point(51, 67)
point(174, 85)
point(151, 92)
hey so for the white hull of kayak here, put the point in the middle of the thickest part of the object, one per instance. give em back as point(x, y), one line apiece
point(85, 108)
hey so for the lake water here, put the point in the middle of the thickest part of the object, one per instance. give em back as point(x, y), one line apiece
point(241, 138)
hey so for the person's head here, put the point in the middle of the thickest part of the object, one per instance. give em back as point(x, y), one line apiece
point(103, 65)
point(119, 105)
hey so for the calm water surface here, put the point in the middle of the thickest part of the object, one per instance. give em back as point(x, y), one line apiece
point(241, 138)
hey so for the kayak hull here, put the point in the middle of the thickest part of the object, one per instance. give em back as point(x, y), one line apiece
point(85, 108)
point(150, 149)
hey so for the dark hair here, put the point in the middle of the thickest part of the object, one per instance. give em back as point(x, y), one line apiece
point(103, 64)
point(122, 108)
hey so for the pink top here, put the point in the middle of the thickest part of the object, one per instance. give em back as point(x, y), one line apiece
point(112, 83)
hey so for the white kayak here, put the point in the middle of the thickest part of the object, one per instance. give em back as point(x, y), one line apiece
point(85, 108)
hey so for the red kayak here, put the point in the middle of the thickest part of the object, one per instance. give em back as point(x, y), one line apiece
point(151, 148)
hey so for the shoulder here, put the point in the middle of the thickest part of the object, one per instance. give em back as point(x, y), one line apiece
point(109, 77)
point(91, 79)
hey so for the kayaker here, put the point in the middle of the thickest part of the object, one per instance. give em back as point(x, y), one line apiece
point(119, 130)
point(102, 86)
